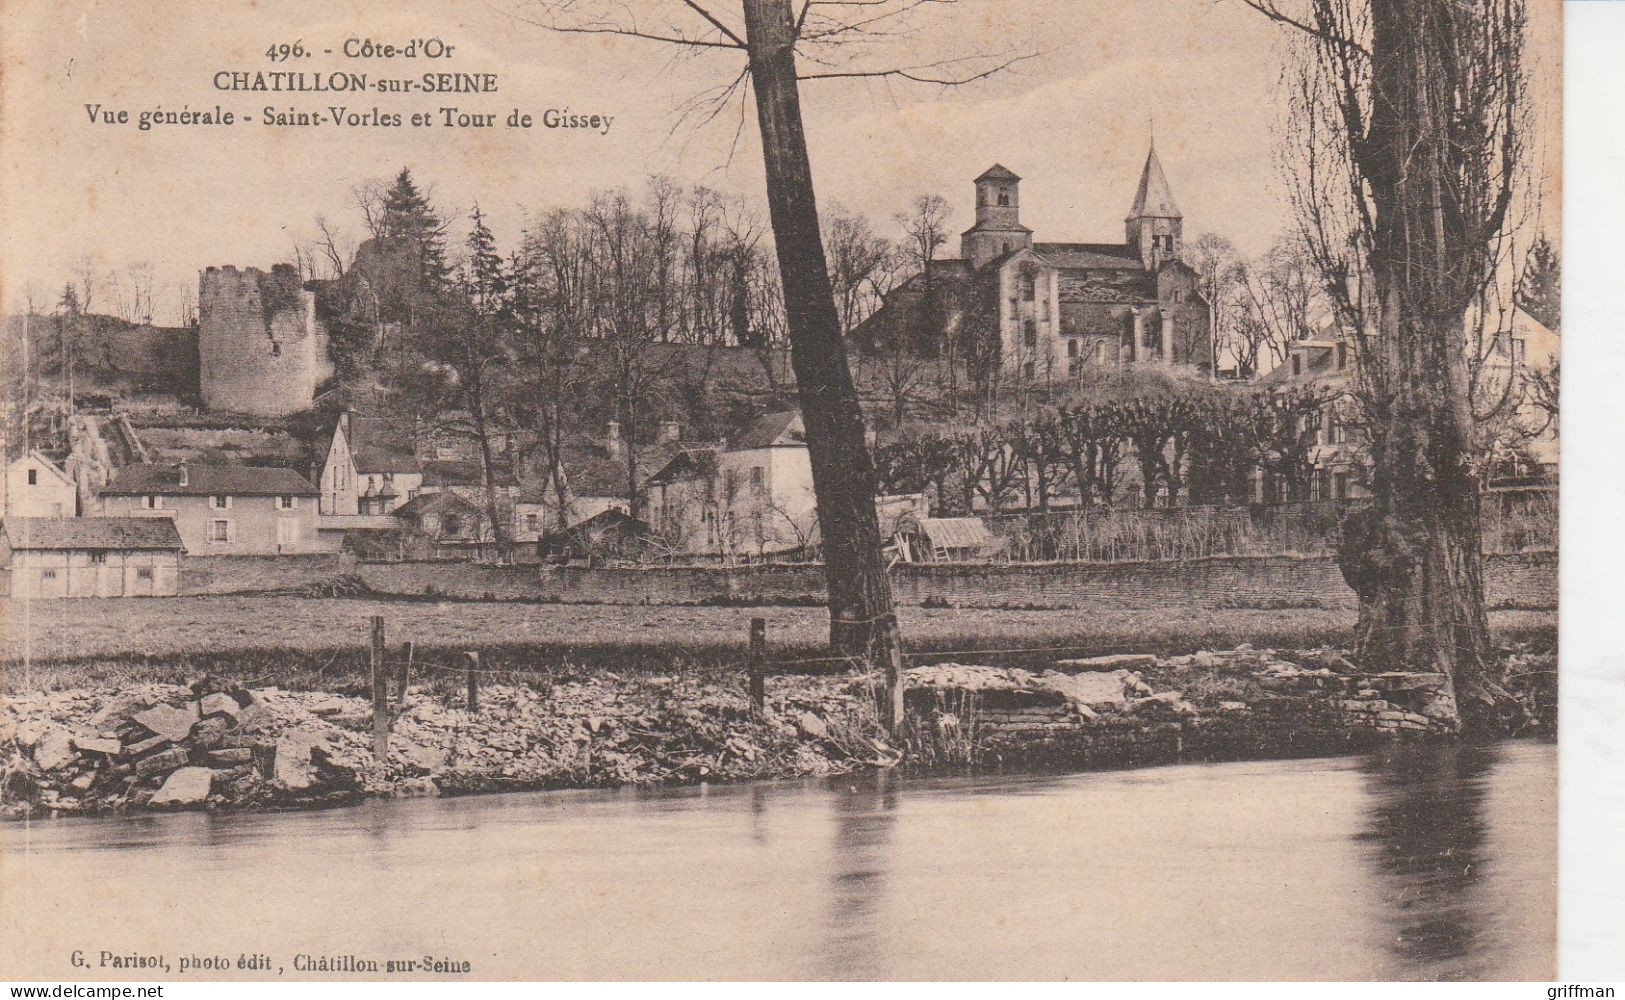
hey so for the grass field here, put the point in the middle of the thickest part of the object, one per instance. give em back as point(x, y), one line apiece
point(301, 642)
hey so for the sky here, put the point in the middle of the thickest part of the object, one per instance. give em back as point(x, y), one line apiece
point(1074, 121)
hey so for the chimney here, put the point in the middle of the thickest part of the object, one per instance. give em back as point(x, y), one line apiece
point(185, 480)
point(612, 440)
point(670, 432)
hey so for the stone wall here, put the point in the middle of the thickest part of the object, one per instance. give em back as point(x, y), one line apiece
point(248, 574)
point(259, 349)
point(1521, 581)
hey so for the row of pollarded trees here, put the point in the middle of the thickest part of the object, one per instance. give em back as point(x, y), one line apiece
point(1144, 436)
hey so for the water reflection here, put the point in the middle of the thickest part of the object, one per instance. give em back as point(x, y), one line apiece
point(865, 812)
point(1433, 863)
point(1427, 834)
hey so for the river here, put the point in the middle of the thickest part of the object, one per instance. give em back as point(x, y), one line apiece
point(1415, 863)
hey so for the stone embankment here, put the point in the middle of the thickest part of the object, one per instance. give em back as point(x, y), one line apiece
point(214, 745)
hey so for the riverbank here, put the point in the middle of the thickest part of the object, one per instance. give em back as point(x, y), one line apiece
point(213, 744)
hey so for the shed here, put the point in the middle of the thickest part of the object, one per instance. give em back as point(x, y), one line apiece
point(944, 539)
point(46, 557)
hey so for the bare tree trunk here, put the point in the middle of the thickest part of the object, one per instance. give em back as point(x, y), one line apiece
point(1413, 555)
point(862, 620)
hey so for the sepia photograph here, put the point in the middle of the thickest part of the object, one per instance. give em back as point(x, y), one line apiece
point(780, 490)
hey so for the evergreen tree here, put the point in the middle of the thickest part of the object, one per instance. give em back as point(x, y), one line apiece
point(1540, 292)
point(487, 280)
point(406, 219)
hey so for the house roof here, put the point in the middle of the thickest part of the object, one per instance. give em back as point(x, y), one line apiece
point(1320, 359)
point(774, 430)
point(955, 532)
point(1088, 255)
point(997, 172)
point(425, 502)
point(205, 480)
point(688, 464)
point(383, 444)
point(461, 472)
point(98, 533)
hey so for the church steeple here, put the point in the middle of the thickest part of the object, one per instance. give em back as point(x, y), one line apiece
point(1154, 226)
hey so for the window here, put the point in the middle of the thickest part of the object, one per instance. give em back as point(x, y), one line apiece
point(451, 524)
point(1518, 346)
point(1342, 355)
point(152, 502)
point(285, 503)
point(287, 531)
point(143, 573)
point(98, 558)
point(1340, 485)
point(1015, 307)
point(1100, 352)
point(756, 477)
point(1004, 199)
point(1297, 364)
point(219, 531)
point(47, 574)
point(1071, 348)
point(1029, 333)
point(276, 349)
point(1007, 246)
point(1029, 286)
point(533, 522)
point(33, 477)
point(220, 501)
point(1029, 369)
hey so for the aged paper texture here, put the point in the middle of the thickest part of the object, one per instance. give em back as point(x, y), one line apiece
point(769, 489)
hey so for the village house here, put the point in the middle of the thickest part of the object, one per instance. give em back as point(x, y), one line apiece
point(371, 466)
point(222, 510)
point(749, 499)
point(36, 487)
point(1050, 310)
point(1501, 361)
point(51, 557)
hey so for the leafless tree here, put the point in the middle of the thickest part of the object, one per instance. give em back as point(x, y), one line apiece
point(783, 43)
point(1409, 129)
point(1275, 299)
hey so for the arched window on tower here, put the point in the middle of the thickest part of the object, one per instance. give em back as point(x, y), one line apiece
point(1004, 198)
point(1029, 286)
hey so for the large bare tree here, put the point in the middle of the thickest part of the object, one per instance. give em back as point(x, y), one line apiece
point(771, 35)
point(1409, 136)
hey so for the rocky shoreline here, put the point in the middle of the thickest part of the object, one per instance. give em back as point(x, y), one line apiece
point(212, 745)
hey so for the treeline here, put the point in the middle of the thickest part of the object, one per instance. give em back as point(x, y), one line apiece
point(1130, 436)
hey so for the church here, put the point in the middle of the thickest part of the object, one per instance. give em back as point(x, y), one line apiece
point(1049, 310)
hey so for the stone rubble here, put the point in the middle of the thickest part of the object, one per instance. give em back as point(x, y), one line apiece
point(215, 745)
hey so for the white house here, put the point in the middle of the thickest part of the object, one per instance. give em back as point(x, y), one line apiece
point(372, 466)
point(36, 487)
point(752, 498)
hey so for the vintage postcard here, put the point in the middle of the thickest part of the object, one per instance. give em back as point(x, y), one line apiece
point(779, 490)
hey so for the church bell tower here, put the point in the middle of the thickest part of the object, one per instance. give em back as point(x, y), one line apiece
point(998, 228)
point(1154, 227)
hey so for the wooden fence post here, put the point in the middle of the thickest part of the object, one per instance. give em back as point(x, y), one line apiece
point(473, 659)
point(891, 710)
point(758, 664)
point(380, 694)
point(403, 676)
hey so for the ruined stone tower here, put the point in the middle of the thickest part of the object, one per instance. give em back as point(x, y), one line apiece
point(260, 349)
